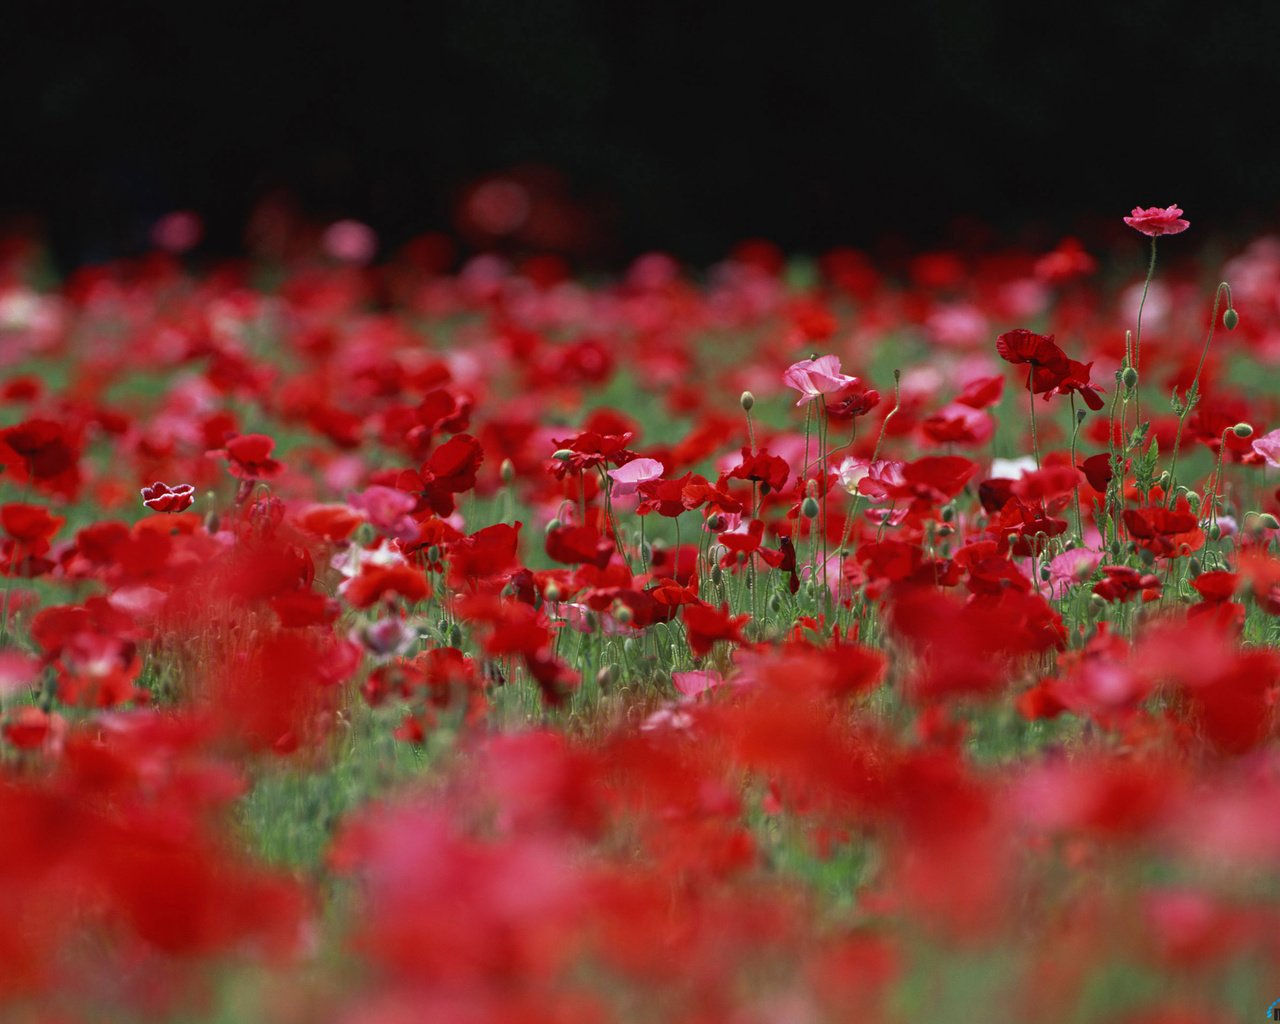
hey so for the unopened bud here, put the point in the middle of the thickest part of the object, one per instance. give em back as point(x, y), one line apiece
point(1081, 416)
point(1129, 377)
point(1230, 318)
point(455, 636)
point(1242, 430)
point(1045, 573)
point(748, 400)
point(508, 471)
point(433, 553)
point(212, 522)
point(809, 508)
point(607, 676)
point(948, 512)
point(562, 455)
point(554, 525)
point(1268, 521)
point(551, 592)
point(1214, 531)
point(775, 603)
point(717, 575)
point(1195, 568)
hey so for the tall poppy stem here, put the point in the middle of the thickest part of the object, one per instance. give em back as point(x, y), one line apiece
point(1137, 337)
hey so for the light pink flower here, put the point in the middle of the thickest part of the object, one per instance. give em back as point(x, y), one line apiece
point(690, 684)
point(388, 509)
point(349, 241)
point(814, 377)
point(626, 478)
point(1154, 221)
point(1268, 446)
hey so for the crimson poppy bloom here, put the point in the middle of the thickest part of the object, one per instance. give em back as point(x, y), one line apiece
point(160, 497)
point(1154, 221)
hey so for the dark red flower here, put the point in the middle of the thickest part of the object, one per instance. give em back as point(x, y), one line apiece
point(162, 498)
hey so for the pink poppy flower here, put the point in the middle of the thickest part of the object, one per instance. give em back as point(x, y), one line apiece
point(629, 476)
point(814, 377)
point(1268, 446)
point(1154, 221)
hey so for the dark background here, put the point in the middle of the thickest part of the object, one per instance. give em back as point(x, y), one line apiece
point(671, 124)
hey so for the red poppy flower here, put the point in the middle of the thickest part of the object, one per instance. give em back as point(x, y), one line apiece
point(249, 456)
point(163, 498)
point(770, 471)
point(1154, 221)
point(706, 625)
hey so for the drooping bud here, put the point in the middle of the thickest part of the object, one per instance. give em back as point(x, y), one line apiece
point(1230, 318)
point(1045, 573)
point(748, 401)
point(1214, 531)
point(1195, 568)
point(1268, 521)
point(606, 677)
point(1242, 430)
point(809, 507)
point(554, 525)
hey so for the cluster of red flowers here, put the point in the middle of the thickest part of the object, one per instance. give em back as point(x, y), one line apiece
point(747, 708)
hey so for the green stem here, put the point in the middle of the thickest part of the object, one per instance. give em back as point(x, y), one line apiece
point(1137, 338)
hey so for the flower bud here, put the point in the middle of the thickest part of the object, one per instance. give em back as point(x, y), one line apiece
point(508, 471)
point(747, 401)
point(1045, 573)
point(1129, 377)
point(562, 455)
point(551, 591)
point(606, 677)
point(1230, 318)
point(1242, 430)
point(1195, 568)
point(622, 613)
point(948, 512)
point(809, 507)
point(775, 603)
point(1268, 521)
point(1214, 531)
point(553, 525)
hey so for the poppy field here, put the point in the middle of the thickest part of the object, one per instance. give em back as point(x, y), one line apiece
point(798, 641)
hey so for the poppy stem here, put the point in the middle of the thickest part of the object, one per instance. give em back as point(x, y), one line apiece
point(1193, 393)
point(1137, 337)
point(1076, 420)
point(1035, 441)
